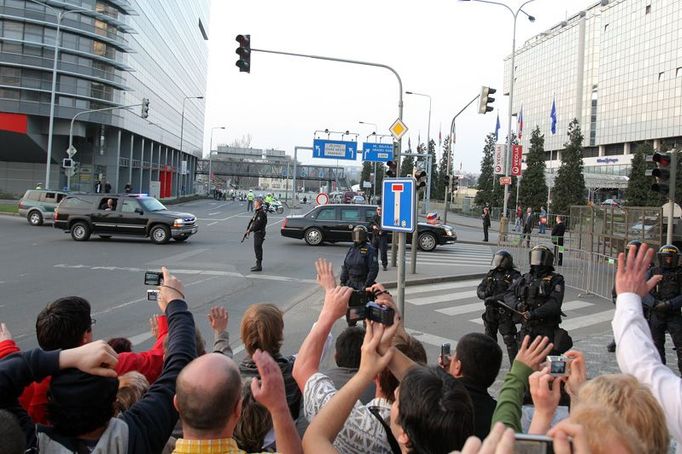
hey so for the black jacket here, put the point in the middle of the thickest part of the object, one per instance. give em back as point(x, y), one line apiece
point(248, 369)
point(558, 233)
point(484, 407)
point(259, 221)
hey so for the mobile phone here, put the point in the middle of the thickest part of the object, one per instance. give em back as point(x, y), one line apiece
point(152, 295)
point(445, 351)
point(533, 444)
point(153, 278)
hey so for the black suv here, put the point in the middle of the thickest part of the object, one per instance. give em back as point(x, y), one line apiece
point(123, 214)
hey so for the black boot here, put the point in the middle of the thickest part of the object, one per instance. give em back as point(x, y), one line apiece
point(612, 346)
point(257, 267)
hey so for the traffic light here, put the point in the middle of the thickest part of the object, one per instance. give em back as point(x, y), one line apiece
point(661, 172)
point(244, 52)
point(455, 183)
point(67, 163)
point(486, 99)
point(392, 169)
point(145, 108)
point(420, 176)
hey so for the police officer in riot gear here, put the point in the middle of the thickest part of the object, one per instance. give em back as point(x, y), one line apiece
point(360, 267)
point(538, 296)
point(491, 289)
point(666, 301)
point(257, 225)
point(379, 238)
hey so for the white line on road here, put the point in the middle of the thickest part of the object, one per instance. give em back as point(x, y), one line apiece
point(441, 298)
point(569, 306)
point(588, 320)
point(213, 214)
point(413, 290)
point(212, 223)
point(430, 338)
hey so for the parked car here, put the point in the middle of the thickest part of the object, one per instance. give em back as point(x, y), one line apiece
point(359, 199)
point(128, 214)
point(334, 223)
point(611, 203)
point(38, 205)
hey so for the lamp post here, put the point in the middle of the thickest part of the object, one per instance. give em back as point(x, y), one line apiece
point(427, 193)
point(374, 183)
point(210, 160)
point(182, 132)
point(515, 14)
point(53, 92)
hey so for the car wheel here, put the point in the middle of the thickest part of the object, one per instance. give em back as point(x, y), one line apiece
point(427, 242)
point(160, 234)
point(182, 238)
point(80, 231)
point(280, 210)
point(35, 218)
point(313, 236)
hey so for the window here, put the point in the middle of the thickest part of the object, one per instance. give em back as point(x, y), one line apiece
point(350, 214)
point(369, 215)
point(75, 202)
point(34, 195)
point(105, 205)
point(326, 214)
point(648, 9)
point(48, 196)
point(129, 206)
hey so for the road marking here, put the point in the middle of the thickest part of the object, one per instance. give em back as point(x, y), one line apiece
point(588, 320)
point(223, 219)
point(213, 214)
point(430, 339)
point(280, 278)
point(465, 309)
point(212, 223)
point(412, 290)
point(569, 306)
point(480, 265)
point(140, 338)
point(441, 298)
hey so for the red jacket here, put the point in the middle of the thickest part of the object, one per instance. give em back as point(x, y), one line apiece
point(149, 364)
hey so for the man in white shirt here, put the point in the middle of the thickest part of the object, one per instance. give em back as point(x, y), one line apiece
point(635, 348)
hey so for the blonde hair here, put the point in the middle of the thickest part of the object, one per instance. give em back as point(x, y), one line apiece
point(262, 328)
point(605, 430)
point(131, 387)
point(634, 404)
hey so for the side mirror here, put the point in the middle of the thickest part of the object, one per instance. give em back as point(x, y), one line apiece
point(139, 211)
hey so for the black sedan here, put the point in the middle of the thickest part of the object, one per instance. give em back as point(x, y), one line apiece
point(334, 223)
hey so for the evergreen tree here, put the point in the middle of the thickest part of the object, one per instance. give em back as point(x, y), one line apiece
point(442, 172)
point(533, 190)
point(638, 192)
point(381, 169)
point(434, 168)
point(485, 180)
point(366, 174)
point(407, 166)
point(569, 185)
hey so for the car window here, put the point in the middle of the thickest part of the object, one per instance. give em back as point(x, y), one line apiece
point(129, 206)
point(106, 206)
point(350, 214)
point(34, 195)
point(49, 196)
point(75, 202)
point(326, 214)
point(369, 215)
point(60, 197)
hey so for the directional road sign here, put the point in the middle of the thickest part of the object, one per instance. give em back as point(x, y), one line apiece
point(399, 205)
point(377, 152)
point(334, 149)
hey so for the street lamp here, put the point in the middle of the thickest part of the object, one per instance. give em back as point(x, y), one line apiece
point(53, 93)
point(210, 155)
point(374, 183)
point(182, 131)
point(427, 193)
point(515, 14)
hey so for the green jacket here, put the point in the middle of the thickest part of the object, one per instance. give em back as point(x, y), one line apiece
point(510, 399)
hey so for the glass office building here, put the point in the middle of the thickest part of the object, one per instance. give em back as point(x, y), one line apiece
point(617, 68)
point(113, 53)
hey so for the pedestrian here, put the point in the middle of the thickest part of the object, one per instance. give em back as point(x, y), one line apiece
point(128, 188)
point(527, 226)
point(538, 296)
point(486, 222)
point(558, 239)
point(361, 266)
point(519, 219)
point(107, 187)
point(492, 289)
point(39, 186)
point(305, 200)
point(98, 187)
point(257, 225)
point(249, 200)
point(543, 220)
point(379, 238)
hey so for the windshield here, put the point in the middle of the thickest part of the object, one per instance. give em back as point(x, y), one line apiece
point(151, 204)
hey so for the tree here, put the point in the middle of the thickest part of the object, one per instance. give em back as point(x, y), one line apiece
point(485, 180)
point(433, 178)
point(441, 182)
point(406, 166)
point(533, 189)
point(638, 192)
point(366, 174)
point(243, 142)
point(569, 185)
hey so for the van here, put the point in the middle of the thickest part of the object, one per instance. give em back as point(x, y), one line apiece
point(38, 205)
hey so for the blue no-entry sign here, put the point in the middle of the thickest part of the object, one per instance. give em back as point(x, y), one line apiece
point(334, 149)
point(399, 205)
point(377, 152)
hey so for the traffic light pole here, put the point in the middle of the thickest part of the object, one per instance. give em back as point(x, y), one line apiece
point(671, 196)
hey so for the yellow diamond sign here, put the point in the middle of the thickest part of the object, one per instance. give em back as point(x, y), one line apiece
point(398, 129)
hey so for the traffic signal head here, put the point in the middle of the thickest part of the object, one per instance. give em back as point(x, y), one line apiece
point(455, 183)
point(144, 113)
point(244, 52)
point(661, 172)
point(392, 169)
point(486, 100)
point(420, 176)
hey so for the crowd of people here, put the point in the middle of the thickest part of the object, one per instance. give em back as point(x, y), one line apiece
point(76, 394)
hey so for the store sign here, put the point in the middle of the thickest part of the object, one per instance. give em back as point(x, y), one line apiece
point(607, 160)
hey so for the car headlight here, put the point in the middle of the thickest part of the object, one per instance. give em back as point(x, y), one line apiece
point(178, 222)
point(449, 232)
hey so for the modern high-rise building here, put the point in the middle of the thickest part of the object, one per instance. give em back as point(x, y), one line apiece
point(617, 68)
point(113, 53)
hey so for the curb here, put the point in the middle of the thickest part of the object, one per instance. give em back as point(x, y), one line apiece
point(2, 213)
point(436, 279)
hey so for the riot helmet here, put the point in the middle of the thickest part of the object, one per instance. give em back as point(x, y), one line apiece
point(668, 256)
point(359, 234)
point(503, 260)
point(541, 256)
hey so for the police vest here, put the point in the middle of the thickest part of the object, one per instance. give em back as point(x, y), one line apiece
point(669, 286)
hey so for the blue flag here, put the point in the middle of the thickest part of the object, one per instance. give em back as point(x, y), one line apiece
point(497, 126)
point(552, 116)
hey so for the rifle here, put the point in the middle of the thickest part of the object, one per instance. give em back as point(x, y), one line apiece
point(248, 230)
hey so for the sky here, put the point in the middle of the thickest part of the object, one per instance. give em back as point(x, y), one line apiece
point(447, 49)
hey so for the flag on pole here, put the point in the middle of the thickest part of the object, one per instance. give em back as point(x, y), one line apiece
point(497, 127)
point(419, 139)
point(409, 143)
point(440, 137)
point(519, 127)
point(552, 116)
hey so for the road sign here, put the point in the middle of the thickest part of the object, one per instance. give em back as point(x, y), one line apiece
point(517, 159)
point(71, 151)
point(334, 149)
point(377, 152)
point(399, 205)
point(505, 181)
point(398, 129)
point(366, 184)
point(322, 198)
point(500, 157)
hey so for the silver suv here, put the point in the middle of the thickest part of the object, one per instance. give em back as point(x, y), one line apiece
point(38, 205)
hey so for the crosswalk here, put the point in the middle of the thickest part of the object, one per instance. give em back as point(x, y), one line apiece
point(475, 255)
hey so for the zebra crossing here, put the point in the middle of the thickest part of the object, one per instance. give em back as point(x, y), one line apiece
point(458, 254)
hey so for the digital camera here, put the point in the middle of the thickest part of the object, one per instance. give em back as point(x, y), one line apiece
point(558, 365)
point(361, 306)
point(153, 278)
point(152, 295)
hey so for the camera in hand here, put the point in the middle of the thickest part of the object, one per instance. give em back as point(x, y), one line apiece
point(558, 365)
point(152, 295)
point(361, 306)
point(153, 278)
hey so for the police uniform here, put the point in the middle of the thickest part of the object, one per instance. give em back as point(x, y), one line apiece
point(665, 303)
point(360, 267)
point(492, 288)
point(258, 223)
point(539, 295)
point(380, 240)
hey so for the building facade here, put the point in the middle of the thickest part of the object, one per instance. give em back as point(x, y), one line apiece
point(113, 53)
point(617, 68)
